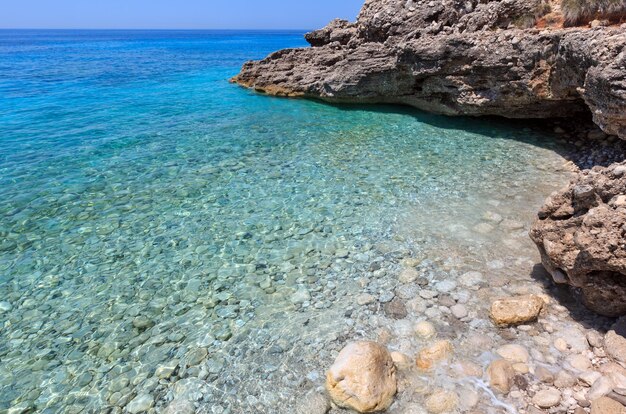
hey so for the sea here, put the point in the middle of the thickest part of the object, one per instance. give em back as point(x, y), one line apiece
point(168, 237)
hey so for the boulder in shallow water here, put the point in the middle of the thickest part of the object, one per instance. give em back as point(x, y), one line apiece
point(581, 235)
point(428, 357)
point(501, 374)
point(362, 378)
point(516, 310)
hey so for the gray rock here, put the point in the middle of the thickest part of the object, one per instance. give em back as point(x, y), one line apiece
point(302, 295)
point(179, 407)
point(445, 286)
point(140, 404)
point(195, 356)
point(5, 307)
point(365, 299)
point(459, 311)
point(471, 279)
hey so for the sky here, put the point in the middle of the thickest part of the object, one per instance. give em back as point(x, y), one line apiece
point(173, 14)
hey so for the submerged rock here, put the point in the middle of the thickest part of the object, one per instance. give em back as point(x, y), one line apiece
point(425, 330)
point(547, 398)
point(516, 310)
point(501, 374)
point(428, 357)
point(362, 378)
point(442, 401)
point(140, 404)
point(605, 405)
point(179, 407)
point(615, 342)
point(581, 235)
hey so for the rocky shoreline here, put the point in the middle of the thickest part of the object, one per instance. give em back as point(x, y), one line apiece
point(470, 58)
point(456, 58)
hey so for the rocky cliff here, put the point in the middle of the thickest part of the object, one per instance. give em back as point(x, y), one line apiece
point(457, 58)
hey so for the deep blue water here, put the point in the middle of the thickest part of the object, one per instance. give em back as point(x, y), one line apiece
point(150, 210)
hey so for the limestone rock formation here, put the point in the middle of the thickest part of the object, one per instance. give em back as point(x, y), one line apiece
point(581, 235)
point(363, 378)
point(456, 57)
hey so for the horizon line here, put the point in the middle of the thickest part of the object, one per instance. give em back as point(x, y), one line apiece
point(155, 29)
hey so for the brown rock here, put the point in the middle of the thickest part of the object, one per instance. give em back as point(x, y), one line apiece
point(605, 405)
point(362, 378)
point(428, 357)
point(544, 375)
point(615, 342)
point(401, 361)
point(516, 310)
point(501, 375)
point(581, 236)
point(442, 401)
point(395, 309)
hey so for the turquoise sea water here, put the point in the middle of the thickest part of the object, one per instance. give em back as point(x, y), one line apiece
point(154, 215)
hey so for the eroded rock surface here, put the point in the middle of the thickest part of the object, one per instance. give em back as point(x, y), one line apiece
point(515, 310)
point(581, 235)
point(362, 378)
point(457, 58)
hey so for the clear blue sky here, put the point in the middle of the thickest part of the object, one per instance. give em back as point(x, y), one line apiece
point(174, 14)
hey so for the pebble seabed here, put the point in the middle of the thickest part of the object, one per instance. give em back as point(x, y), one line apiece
point(228, 284)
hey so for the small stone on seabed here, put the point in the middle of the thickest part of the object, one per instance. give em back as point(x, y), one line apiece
point(459, 311)
point(140, 404)
point(605, 405)
point(516, 310)
point(547, 398)
point(313, 403)
point(514, 353)
point(166, 370)
point(179, 407)
point(395, 309)
point(425, 330)
point(429, 356)
point(501, 374)
point(408, 275)
point(365, 299)
point(471, 279)
point(195, 356)
point(442, 401)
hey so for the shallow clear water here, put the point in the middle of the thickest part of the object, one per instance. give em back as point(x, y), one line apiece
point(152, 212)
